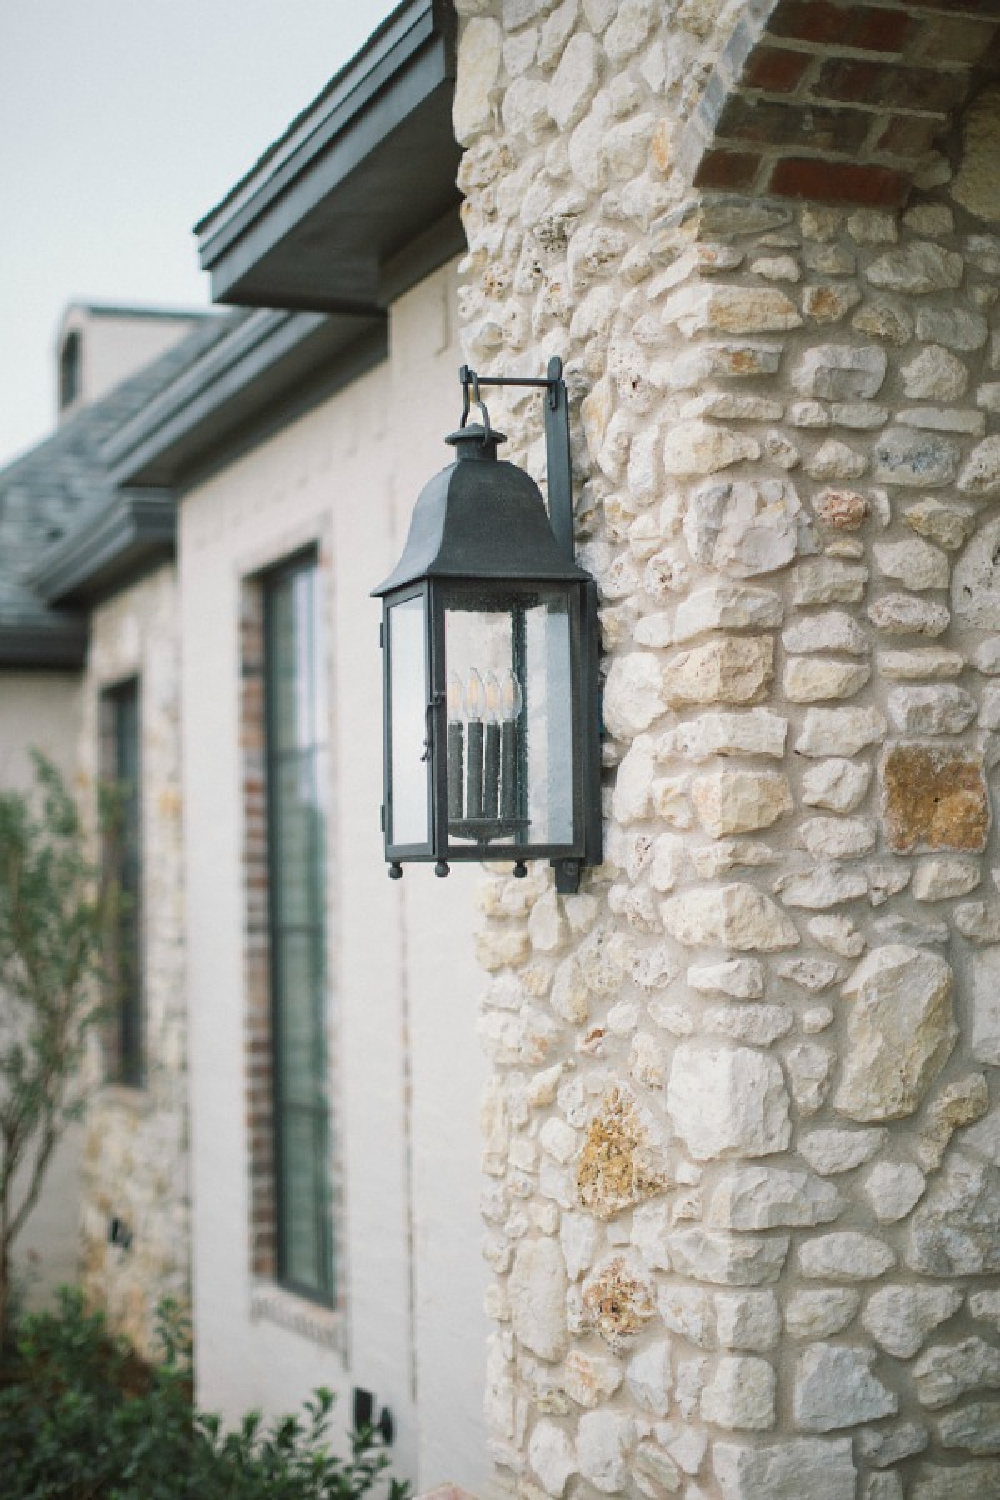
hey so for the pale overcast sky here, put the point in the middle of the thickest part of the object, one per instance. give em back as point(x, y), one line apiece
point(122, 122)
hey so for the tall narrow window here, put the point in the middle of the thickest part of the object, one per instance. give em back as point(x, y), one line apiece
point(120, 712)
point(296, 716)
point(69, 370)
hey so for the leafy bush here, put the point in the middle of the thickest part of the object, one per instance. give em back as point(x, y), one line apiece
point(82, 1418)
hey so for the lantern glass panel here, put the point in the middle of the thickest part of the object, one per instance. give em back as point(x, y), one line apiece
point(510, 718)
point(409, 803)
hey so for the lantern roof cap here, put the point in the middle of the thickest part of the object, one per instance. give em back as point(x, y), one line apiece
point(481, 518)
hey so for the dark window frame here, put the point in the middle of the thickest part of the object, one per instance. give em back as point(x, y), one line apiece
point(121, 713)
point(278, 757)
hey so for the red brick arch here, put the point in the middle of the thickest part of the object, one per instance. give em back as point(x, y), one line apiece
point(836, 101)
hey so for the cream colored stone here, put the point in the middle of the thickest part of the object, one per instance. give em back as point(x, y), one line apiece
point(479, 54)
point(975, 186)
point(748, 1198)
point(551, 1456)
point(830, 1151)
point(915, 564)
point(917, 269)
point(574, 82)
point(838, 784)
point(739, 801)
point(730, 309)
point(732, 916)
point(816, 1315)
point(901, 614)
point(835, 1387)
point(724, 1101)
point(745, 527)
point(697, 448)
point(981, 473)
point(799, 1469)
point(845, 1255)
point(943, 877)
point(839, 731)
point(812, 680)
point(935, 375)
point(726, 606)
point(740, 1394)
point(634, 695)
point(732, 669)
point(537, 1287)
point(900, 1031)
point(899, 1318)
point(921, 662)
point(893, 1189)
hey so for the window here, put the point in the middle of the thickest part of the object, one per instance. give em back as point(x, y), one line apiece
point(295, 716)
point(69, 370)
point(120, 714)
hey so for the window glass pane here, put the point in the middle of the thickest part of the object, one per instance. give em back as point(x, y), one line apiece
point(410, 807)
point(297, 769)
point(121, 710)
point(510, 720)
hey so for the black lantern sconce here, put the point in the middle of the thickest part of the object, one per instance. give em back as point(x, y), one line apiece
point(490, 662)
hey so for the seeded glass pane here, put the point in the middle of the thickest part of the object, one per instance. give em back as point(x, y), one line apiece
point(510, 715)
point(297, 775)
point(409, 808)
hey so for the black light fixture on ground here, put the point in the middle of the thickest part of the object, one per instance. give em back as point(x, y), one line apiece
point(490, 662)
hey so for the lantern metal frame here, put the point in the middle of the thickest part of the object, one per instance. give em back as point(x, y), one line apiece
point(455, 554)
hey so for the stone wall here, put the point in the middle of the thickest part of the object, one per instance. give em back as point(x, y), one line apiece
point(135, 1165)
point(742, 1135)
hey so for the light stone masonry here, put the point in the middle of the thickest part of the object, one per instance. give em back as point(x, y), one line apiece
point(758, 1087)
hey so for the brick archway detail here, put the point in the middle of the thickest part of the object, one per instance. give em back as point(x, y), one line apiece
point(835, 101)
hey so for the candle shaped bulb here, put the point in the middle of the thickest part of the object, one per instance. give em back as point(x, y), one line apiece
point(456, 747)
point(475, 706)
point(511, 703)
point(511, 697)
point(491, 764)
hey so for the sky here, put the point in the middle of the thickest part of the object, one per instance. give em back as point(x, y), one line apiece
point(122, 123)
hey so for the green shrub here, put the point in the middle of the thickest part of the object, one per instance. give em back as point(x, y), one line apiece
point(82, 1418)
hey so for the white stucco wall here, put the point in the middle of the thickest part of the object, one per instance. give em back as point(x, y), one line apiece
point(40, 710)
point(407, 1071)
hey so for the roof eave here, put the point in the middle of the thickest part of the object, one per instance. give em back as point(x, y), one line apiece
point(136, 532)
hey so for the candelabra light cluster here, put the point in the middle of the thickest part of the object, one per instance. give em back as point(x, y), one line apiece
point(483, 781)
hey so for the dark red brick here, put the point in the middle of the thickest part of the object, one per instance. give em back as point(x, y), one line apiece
point(907, 135)
point(776, 69)
point(955, 40)
point(959, 8)
point(869, 27)
point(851, 80)
point(817, 181)
point(770, 123)
point(727, 170)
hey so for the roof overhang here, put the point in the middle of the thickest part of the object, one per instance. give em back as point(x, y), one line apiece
point(133, 533)
point(57, 642)
point(358, 200)
point(271, 365)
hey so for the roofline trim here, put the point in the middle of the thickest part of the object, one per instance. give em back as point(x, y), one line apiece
point(61, 645)
point(138, 528)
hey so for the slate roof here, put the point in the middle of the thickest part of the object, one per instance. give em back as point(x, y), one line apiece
point(59, 486)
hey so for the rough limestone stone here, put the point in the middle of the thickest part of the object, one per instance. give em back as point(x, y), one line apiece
point(954, 1230)
point(726, 1259)
point(689, 1311)
point(590, 1379)
point(744, 528)
point(981, 472)
point(838, 784)
point(811, 680)
point(656, 1470)
point(479, 55)
point(921, 663)
point(841, 510)
point(633, 696)
point(739, 801)
point(525, 109)
point(731, 916)
point(829, 630)
point(650, 1377)
point(834, 1387)
point(837, 838)
point(931, 710)
point(912, 458)
point(899, 1318)
point(986, 1005)
point(618, 1301)
point(955, 327)
point(830, 1151)
point(900, 1032)
point(632, 797)
point(945, 1372)
point(975, 1428)
point(740, 978)
point(827, 885)
point(537, 1290)
point(725, 1101)
point(917, 269)
point(759, 1025)
point(892, 1442)
point(551, 1456)
point(801, 1469)
point(740, 1394)
point(825, 580)
point(574, 82)
point(732, 669)
point(935, 375)
point(758, 732)
point(701, 448)
point(893, 1189)
point(726, 606)
point(809, 1067)
point(979, 1478)
point(974, 185)
point(935, 798)
point(701, 308)
point(902, 614)
point(603, 1444)
point(949, 525)
point(961, 1102)
point(817, 1315)
point(840, 372)
point(943, 878)
point(975, 589)
point(916, 564)
point(771, 1198)
point(845, 1255)
point(620, 1162)
point(747, 1320)
point(839, 731)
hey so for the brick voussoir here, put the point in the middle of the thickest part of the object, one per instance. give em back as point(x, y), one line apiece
point(865, 27)
point(879, 85)
point(820, 180)
point(782, 124)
